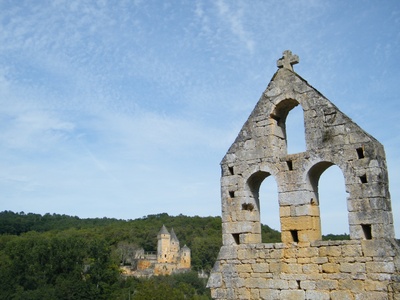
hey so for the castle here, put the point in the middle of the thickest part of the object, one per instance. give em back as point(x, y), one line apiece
point(170, 258)
point(303, 266)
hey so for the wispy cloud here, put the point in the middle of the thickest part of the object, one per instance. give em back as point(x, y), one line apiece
point(106, 105)
point(235, 19)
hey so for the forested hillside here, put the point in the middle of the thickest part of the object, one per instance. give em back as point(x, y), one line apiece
point(63, 257)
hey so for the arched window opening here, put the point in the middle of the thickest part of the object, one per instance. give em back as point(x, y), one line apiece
point(327, 181)
point(264, 190)
point(289, 132)
point(269, 211)
point(295, 131)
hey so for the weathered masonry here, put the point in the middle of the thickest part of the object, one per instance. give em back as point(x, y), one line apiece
point(302, 266)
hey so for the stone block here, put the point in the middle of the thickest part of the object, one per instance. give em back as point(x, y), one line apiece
point(307, 284)
point(260, 267)
point(351, 250)
point(319, 260)
point(326, 284)
point(377, 247)
point(310, 235)
point(259, 283)
point(330, 268)
point(292, 294)
point(380, 267)
point(269, 294)
point(333, 251)
point(292, 268)
point(250, 238)
point(276, 284)
point(290, 252)
point(371, 217)
point(276, 253)
point(311, 269)
point(308, 252)
point(341, 295)
point(317, 295)
point(228, 252)
point(298, 223)
point(352, 268)
point(305, 210)
point(372, 296)
point(218, 293)
point(284, 211)
point(372, 285)
point(351, 285)
point(254, 294)
point(293, 198)
point(276, 267)
point(243, 293)
point(215, 280)
point(304, 260)
point(244, 268)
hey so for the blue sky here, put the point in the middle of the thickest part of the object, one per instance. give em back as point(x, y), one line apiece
point(125, 108)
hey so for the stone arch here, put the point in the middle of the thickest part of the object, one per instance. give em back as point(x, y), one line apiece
point(252, 188)
point(253, 185)
point(279, 116)
point(295, 131)
point(295, 268)
point(313, 176)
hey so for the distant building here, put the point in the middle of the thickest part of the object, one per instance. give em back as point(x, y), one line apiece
point(168, 259)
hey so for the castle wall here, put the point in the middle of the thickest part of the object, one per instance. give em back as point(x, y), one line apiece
point(331, 270)
point(168, 260)
point(143, 264)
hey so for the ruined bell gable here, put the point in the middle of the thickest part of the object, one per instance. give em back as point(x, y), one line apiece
point(303, 266)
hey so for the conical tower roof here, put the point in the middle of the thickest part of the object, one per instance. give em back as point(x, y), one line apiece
point(173, 236)
point(163, 230)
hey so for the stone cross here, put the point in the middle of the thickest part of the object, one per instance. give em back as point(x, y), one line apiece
point(288, 60)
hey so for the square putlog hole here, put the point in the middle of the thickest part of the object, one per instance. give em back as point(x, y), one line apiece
point(247, 206)
point(363, 178)
point(367, 229)
point(295, 235)
point(360, 152)
point(236, 238)
point(231, 171)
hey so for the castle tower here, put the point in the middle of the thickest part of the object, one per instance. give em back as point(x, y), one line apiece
point(174, 246)
point(163, 245)
point(185, 258)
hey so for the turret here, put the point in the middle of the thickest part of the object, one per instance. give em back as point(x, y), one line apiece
point(174, 244)
point(185, 259)
point(163, 245)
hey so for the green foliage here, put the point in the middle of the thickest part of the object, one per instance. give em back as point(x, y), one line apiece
point(180, 286)
point(270, 235)
point(50, 265)
point(63, 257)
point(336, 237)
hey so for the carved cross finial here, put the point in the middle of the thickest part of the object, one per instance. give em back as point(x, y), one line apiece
point(288, 60)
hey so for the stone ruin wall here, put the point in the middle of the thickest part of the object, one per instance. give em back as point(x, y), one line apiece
point(302, 266)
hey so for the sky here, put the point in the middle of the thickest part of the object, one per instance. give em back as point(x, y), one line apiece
point(123, 109)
